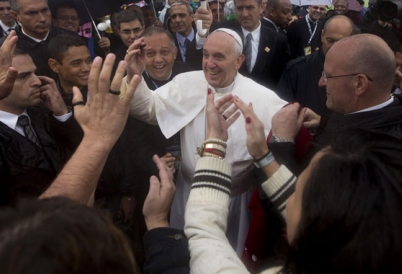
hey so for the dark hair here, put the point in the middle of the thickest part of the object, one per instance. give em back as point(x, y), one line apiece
point(158, 30)
point(60, 44)
point(128, 15)
point(19, 51)
point(62, 5)
point(351, 208)
point(58, 235)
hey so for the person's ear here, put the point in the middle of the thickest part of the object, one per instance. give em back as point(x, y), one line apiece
point(54, 65)
point(15, 15)
point(239, 61)
point(175, 52)
point(360, 84)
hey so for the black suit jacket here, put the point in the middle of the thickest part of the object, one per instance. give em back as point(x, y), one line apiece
point(193, 56)
point(271, 58)
point(26, 169)
point(38, 51)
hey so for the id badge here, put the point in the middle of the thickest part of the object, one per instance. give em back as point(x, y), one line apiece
point(307, 50)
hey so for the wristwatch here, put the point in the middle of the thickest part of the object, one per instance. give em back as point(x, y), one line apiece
point(276, 139)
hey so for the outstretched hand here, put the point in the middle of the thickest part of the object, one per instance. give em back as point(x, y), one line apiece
point(8, 74)
point(105, 114)
point(160, 197)
point(219, 119)
point(256, 139)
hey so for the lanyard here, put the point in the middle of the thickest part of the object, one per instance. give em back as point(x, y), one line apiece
point(309, 29)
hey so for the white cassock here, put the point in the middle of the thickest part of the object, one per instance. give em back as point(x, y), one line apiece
point(180, 106)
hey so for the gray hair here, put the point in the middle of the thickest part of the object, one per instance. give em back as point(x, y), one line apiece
point(177, 3)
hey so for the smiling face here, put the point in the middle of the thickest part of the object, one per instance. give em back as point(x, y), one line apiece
point(67, 18)
point(25, 92)
point(248, 14)
point(341, 7)
point(217, 11)
point(74, 68)
point(340, 91)
point(159, 56)
point(34, 17)
point(220, 62)
point(316, 12)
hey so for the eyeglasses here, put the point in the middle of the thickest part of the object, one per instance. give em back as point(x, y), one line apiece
point(66, 18)
point(129, 31)
point(325, 77)
point(318, 8)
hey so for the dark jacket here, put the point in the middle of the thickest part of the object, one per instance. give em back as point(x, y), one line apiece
point(166, 251)
point(299, 83)
point(193, 55)
point(272, 54)
point(38, 51)
point(299, 35)
point(26, 169)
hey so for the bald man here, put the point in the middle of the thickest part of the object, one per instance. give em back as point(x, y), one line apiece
point(358, 83)
point(179, 106)
point(299, 81)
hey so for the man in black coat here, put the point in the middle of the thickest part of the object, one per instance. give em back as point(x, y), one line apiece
point(35, 141)
point(35, 31)
point(278, 14)
point(299, 81)
point(269, 48)
point(358, 84)
point(304, 34)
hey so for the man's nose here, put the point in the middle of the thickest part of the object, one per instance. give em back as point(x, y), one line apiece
point(322, 83)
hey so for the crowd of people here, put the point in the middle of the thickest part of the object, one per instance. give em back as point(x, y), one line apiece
point(245, 137)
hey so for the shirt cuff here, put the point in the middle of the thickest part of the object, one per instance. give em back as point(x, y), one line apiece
point(63, 118)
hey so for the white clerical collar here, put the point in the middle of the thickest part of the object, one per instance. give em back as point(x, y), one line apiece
point(380, 106)
point(227, 89)
point(6, 28)
point(10, 119)
point(35, 39)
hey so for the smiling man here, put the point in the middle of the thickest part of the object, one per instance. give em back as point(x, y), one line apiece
point(71, 61)
point(266, 49)
point(179, 106)
point(304, 34)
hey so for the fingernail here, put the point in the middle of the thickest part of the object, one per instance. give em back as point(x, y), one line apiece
point(251, 104)
point(209, 91)
point(248, 120)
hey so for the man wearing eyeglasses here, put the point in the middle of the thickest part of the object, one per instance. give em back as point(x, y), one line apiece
point(130, 25)
point(358, 76)
point(299, 81)
point(7, 21)
point(304, 34)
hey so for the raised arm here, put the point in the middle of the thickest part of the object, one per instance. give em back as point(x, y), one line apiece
point(102, 120)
